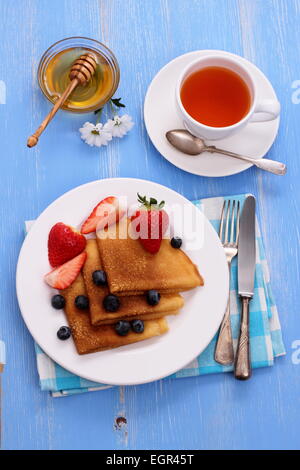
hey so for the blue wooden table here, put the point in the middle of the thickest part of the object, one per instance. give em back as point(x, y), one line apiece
point(205, 412)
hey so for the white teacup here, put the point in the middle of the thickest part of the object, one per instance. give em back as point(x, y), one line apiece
point(260, 109)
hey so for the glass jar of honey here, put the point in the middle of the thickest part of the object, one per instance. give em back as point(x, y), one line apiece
point(55, 65)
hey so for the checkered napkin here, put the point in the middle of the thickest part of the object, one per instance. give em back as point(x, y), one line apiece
point(265, 332)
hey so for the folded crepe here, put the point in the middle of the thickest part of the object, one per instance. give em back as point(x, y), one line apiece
point(90, 338)
point(130, 307)
point(131, 270)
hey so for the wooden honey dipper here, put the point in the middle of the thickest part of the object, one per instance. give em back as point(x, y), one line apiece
point(81, 72)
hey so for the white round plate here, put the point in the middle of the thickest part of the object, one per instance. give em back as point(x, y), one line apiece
point(160, 116)
point(190, 331)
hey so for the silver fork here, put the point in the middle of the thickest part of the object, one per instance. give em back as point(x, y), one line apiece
point(229, 235)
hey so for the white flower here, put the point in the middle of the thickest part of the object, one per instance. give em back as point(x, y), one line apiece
point(119, 125)
point(95, 134)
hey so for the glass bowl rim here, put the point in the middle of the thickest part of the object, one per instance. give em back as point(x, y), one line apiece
point(110, 54)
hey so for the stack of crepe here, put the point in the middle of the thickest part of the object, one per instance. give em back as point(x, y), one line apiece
point(131, 271)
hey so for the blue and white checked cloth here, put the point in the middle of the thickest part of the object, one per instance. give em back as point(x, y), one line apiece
point(265, 331)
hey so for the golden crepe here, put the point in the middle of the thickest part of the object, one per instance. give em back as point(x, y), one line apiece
point(89, 338)
point(131, 270)
point(131, 307)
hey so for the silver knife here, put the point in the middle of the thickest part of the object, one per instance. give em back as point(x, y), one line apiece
point(246, 274)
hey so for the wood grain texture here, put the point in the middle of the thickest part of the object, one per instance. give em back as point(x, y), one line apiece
point(204, 412)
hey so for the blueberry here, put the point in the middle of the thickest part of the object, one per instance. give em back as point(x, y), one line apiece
point(176, 242)
point(64, 332)
point(99, 278)
point(153, 297)
point(111, 303)
point(137, 326)
point(58, 301)
point(122, 327)
point(82, 302)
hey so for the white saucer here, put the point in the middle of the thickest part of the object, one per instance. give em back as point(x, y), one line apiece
point(160, 116)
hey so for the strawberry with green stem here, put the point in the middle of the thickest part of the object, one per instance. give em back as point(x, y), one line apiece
point(150, 223)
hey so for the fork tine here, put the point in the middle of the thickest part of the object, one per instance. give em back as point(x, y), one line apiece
point(232, 222)
point(237, 223)
point(222, 222)
point(227, 223)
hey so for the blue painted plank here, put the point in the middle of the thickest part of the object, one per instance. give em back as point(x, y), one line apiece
point(207, 412)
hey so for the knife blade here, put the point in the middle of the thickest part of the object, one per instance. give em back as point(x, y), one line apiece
point(246, 253)
point(246, 275)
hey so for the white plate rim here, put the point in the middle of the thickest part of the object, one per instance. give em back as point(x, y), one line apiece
point(58, 359)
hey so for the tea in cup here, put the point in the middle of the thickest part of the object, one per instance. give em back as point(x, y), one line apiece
point(216, 96)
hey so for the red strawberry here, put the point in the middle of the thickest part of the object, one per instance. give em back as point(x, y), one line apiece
point(106, 213)
point(150, 223)
point(63, 276)
point(64, 243)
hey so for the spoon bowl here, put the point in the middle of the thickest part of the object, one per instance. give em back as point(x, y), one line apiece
point(186, 142)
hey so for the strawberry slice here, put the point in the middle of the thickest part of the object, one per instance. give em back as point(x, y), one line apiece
point(107, 212)
point(64, 243)
point(150, 223)
point(63, 276)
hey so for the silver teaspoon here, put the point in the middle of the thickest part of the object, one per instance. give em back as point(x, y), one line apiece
point(191, 145)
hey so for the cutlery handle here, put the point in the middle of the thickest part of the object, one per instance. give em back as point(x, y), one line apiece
point(224, 349)
point(242, 366)
point(277, 168)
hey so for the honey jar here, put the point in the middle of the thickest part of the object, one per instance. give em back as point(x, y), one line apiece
point(54, 69)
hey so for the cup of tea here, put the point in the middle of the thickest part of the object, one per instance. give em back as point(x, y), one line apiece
point(216, 96)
